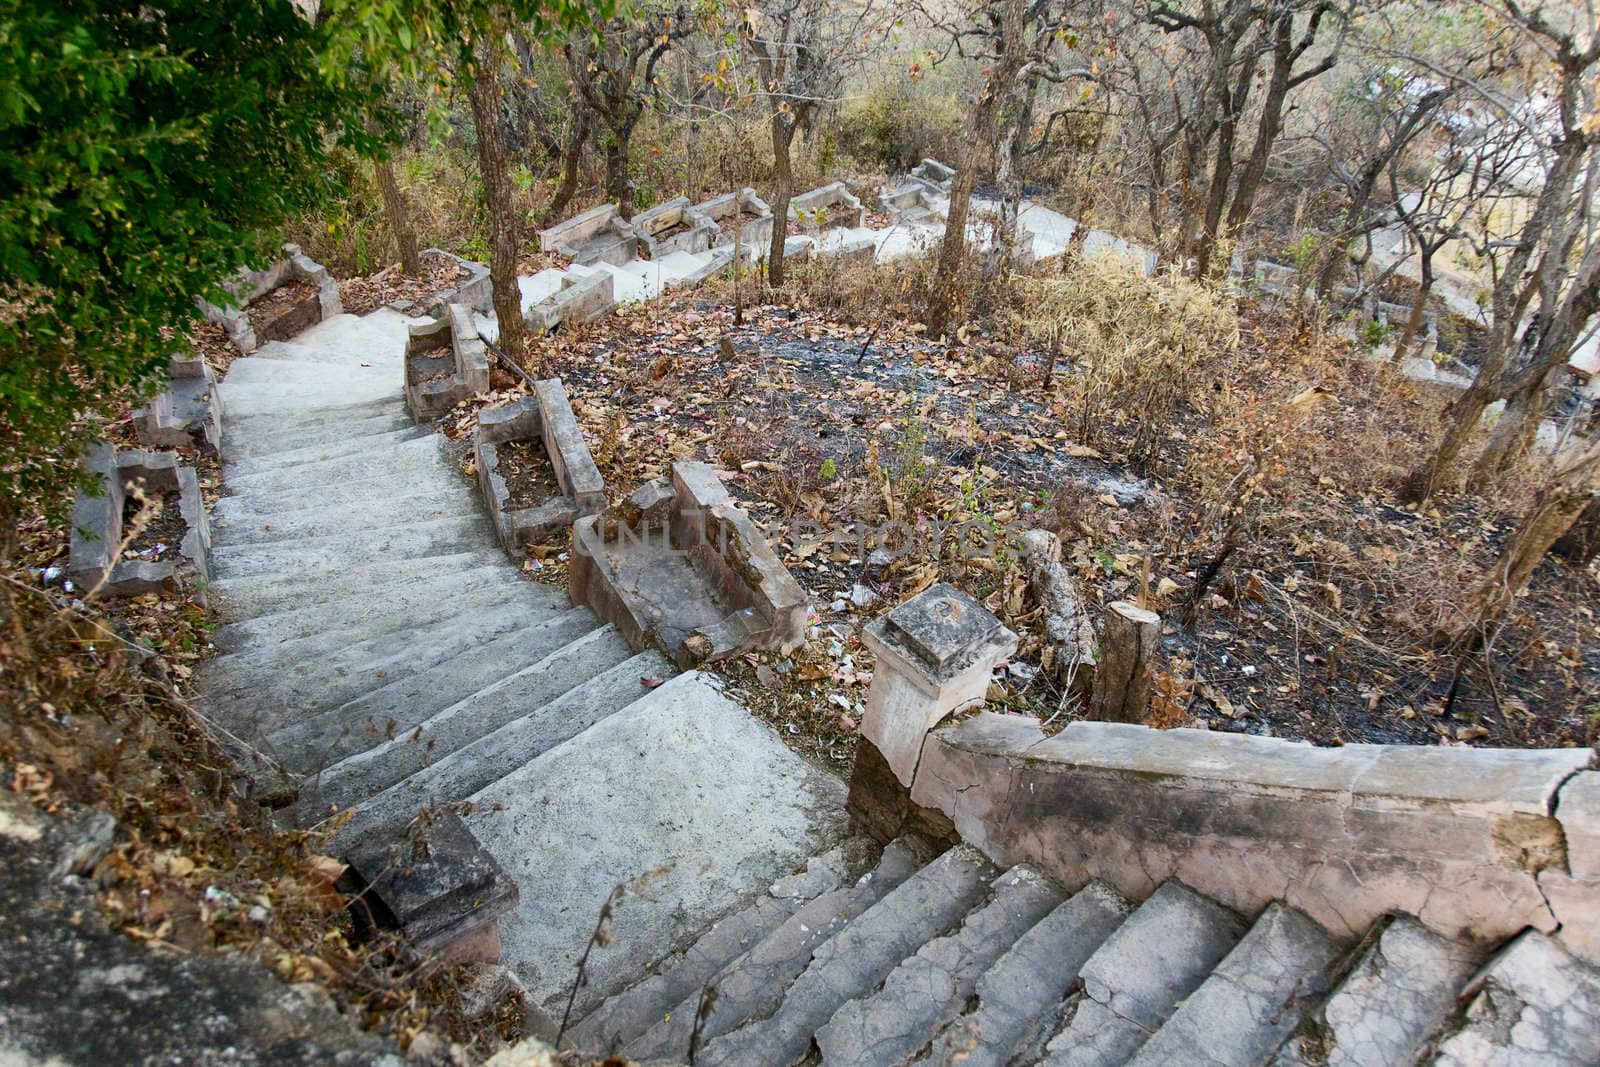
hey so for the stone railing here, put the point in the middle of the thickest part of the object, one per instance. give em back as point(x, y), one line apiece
point(599, 235)
point(545, 417)
point(752, 217)
point(251, 286)
point(673, 226)
point(579, 300)
point(1476, 843)
point(829, 206)
point(188, 413)
point(679, 566)
point(97, 526)
point(435, 383)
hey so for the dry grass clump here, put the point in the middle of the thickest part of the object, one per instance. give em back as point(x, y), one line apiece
point(1137, 344)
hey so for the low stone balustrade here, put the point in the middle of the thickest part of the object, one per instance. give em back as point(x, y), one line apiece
point(187, 414)
point(446, 362)
point(832, 205)
point(599, 235)
point(254, 319)
point(679, 566)
point(535, 473)
point(181, 561)
point(673, 227)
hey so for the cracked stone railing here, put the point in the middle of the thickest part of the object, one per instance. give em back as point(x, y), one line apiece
point(1477, 843)
point(248, 334)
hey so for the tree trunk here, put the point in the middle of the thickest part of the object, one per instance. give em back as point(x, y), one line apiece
point(394, 206)
point(1554, 511)
point(571, 162)
point(782, 193)
point(494, 159)
point(1581, 543)
point(1122, 672)
point(1513, 436)
point(1003, 241)
point(1463, 417)
point(617, 186)
point(1414, 320)
point(947, 275)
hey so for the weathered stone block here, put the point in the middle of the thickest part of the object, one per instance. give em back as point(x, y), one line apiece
point(673, 227)
point(476, 292)
point(744, 211)
point(251, 286)
point(599, 235)
point(1336, 832)
point(579, 490)
point(446, 362)
point(97, 530)
point(188, 414)
point(935, 654)
point(677, 565)
point(828, 207)
point(579, 300)
point(435, 883)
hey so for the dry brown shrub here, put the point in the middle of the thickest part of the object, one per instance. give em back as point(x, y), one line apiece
point(1138, 345)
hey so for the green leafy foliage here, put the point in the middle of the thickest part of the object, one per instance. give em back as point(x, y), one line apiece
point(145, 155)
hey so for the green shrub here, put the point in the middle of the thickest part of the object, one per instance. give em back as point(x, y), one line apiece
point(897, 122)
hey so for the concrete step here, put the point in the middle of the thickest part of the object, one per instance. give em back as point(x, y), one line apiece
point(1532, 1003)
point(488, 759)
point(683, 798)
point(1400, 994)
point(582, 669)
point(333, 555)
point(752, 984)
point(1254, 999)
point(358, 493)
point(682, 976)
point(416, 457)
point(272, 386)
point(342, 447)
point(1136, 979)
point(379, 331)
point(317, 738)
point(356, 618)
point(261, 435)
point(255, 696)
point(235, 525)
point(931, 987)
point(298, 351)
point(238, 599)
point(857, 959)
point(1017, 998)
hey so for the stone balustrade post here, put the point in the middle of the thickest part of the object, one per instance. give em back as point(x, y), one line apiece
point(935, 654)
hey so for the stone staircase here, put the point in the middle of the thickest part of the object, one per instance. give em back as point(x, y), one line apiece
point(380, 647)
point(949, 960)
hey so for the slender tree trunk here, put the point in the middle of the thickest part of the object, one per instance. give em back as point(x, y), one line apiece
point(494, 159)
point(617, 185)
point(1581, 543)
point(1419, 311)
point(571, 163)
point(1554, 510)
point(782, 193)
point(1003, 242)
point(1512, 438)
point(394, 206)
point(947, 275)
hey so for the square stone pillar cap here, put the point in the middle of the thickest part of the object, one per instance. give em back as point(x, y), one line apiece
point(944, 632)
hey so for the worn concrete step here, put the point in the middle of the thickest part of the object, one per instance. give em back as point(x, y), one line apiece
point(236, 526)
point(414, 696)
point(255, 697)
point(359, 618)
point(684, 798)
point(331, 555)
point(384, 506)
point(1018, 997)
point(1254, 999)
point(238, 599)
point(421, 456)
point(272, 387)
point(682, 976)
point(1532, 1003)
point(247, 437)
point(857, 959)
point(928, 989)
point(1136, 979)
point(380, 331)
point(460, 775)
point(345, 446)
point(377, 492)
point(752, 984)
point(418, 747)
point(320, 351)
point(1400, 994)
point(317, 737)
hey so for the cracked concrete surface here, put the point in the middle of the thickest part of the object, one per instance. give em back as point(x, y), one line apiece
point(928, 987)
point(1533, 1003)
